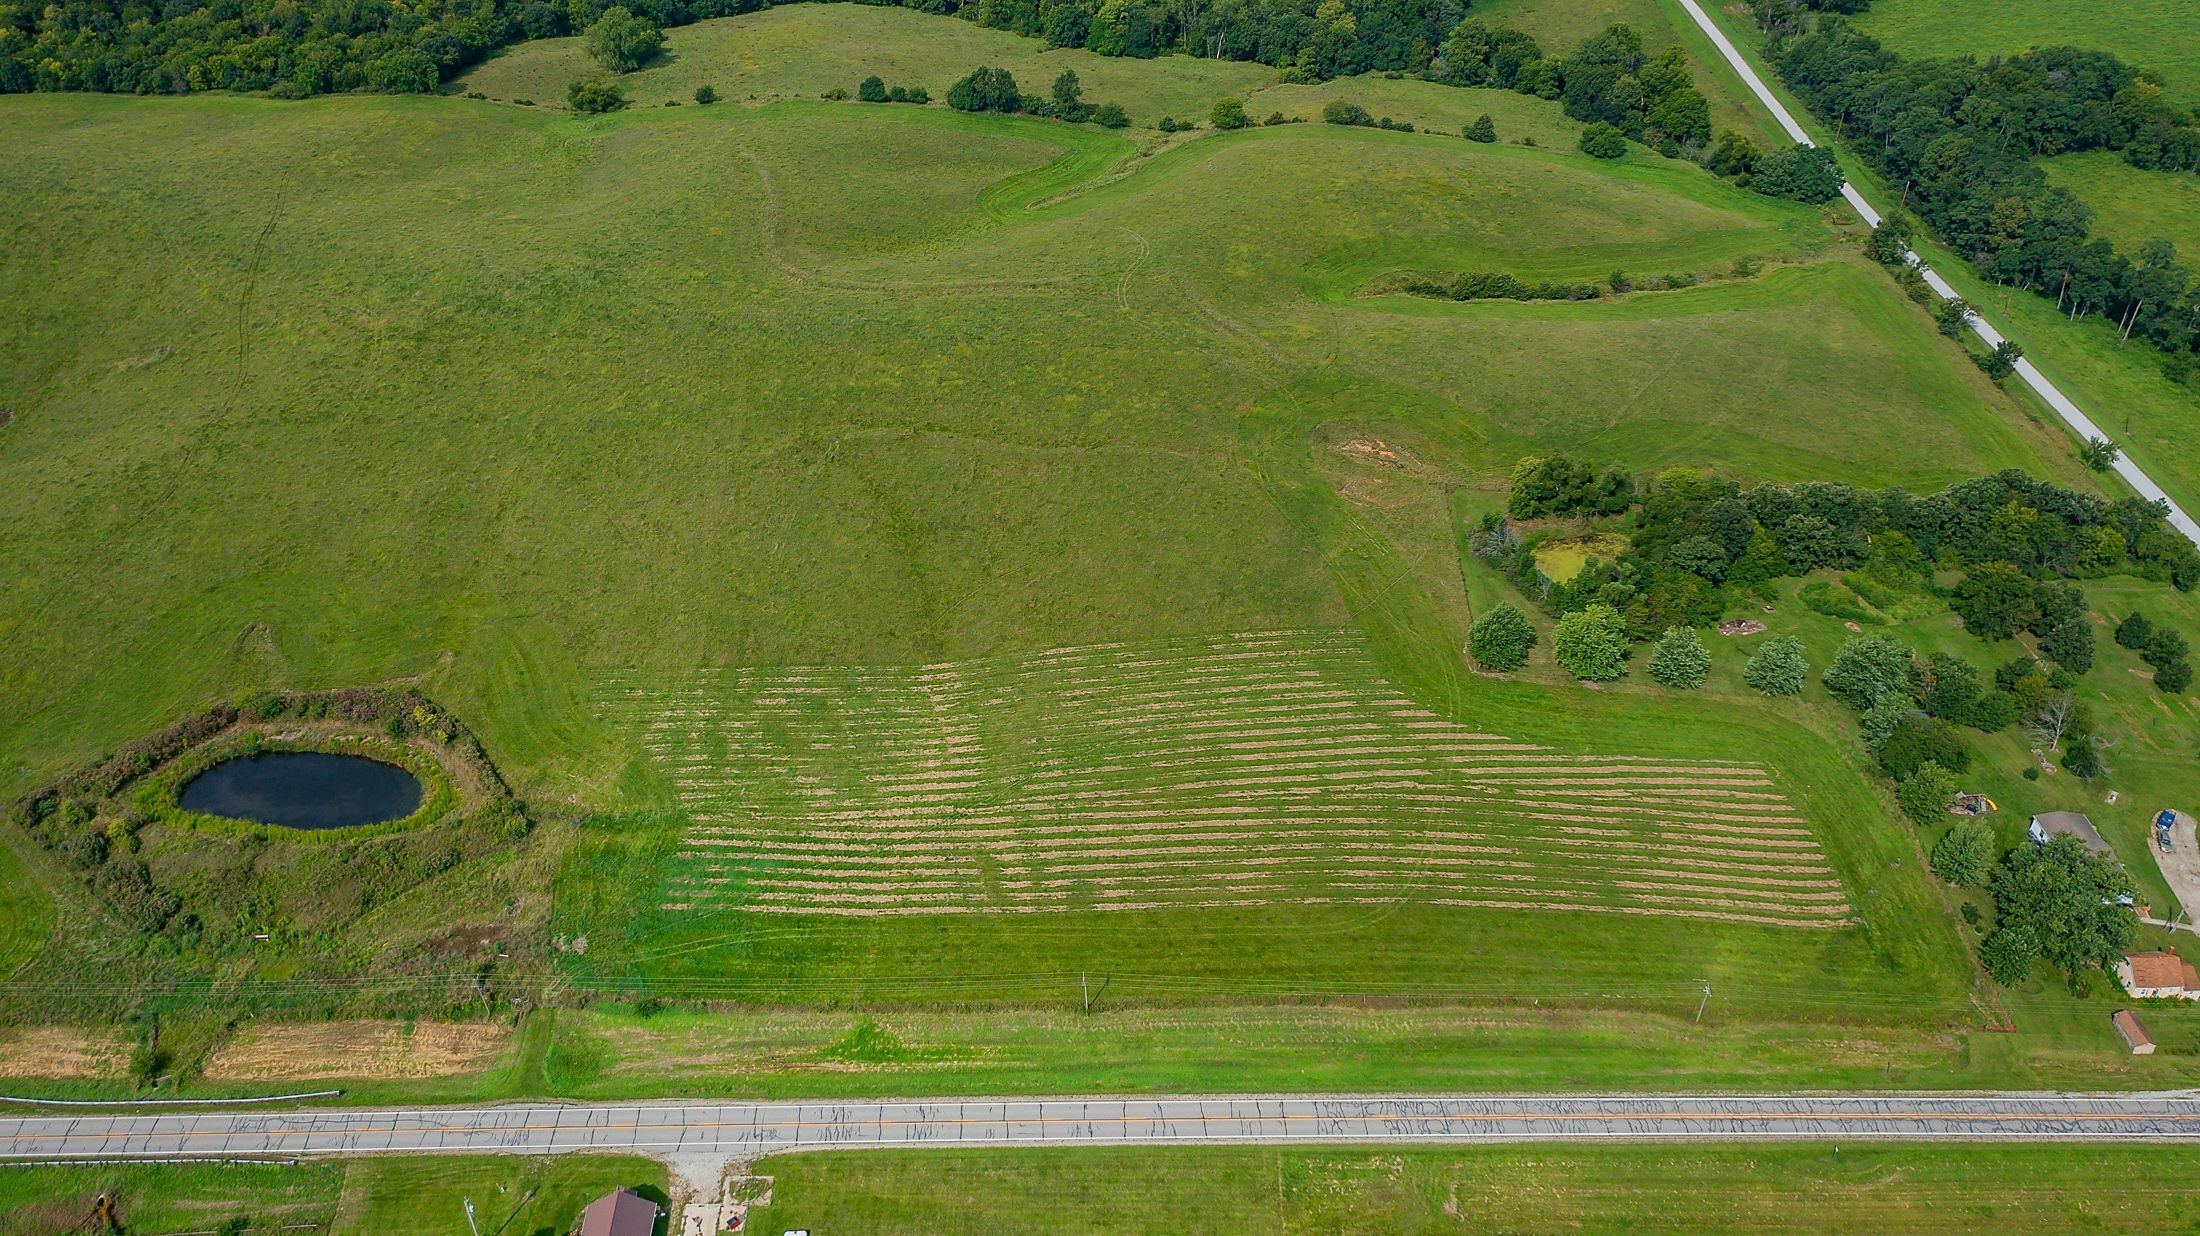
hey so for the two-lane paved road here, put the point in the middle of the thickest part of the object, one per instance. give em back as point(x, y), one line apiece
point(744, 1130)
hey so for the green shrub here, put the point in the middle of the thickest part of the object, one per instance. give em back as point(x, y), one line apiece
point(1228, 114)
point(1482, 130)
point(2134, 632)
point(2164, 647)
point(1591, 643)
point(986, 89)
point(1964, 855)
point(872, 89)
point(1111, 116)
point(2173, 677)
point(1992, 712)
point(1918, 741)
point(1603, 141)
point(1337, 111)
point(706, 95)
point(1777, 667)
point(1679, 660)
point(591, 96)
point(1868, 669)
point(1927, 793)
point(1069, 98)
point(1501, 639)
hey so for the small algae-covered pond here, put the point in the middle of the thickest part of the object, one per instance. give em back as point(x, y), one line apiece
point(1561, 558)
point(304, 789)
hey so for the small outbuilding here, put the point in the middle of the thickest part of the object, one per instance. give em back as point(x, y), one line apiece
point(2159, 975)
point(623, 1212)
point(2135, 1035)
point(2051, 824)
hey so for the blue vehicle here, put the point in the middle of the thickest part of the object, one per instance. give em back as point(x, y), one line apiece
point(2165, 825)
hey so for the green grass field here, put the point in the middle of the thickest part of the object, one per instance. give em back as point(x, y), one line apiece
point(740, 474)
point(1814, 1187)
point(2146, 34)
point(357, 1197)
point(2132, 206)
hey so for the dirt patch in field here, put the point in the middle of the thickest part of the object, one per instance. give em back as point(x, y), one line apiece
point(367, 1049)
point(1375, 450)
point(60, 1051)
point(1740, 626)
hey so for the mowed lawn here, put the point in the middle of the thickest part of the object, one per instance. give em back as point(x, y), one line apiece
point(1815, 1187)
point(2147, 34)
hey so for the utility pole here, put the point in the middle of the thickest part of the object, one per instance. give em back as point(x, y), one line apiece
point(1701, 1003)
point(1084, 984)
point(470, 1216)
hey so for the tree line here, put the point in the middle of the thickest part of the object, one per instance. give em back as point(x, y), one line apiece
point(1961, 137)
point(1699, 541)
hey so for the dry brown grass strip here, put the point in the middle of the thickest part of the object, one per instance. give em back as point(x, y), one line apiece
point(382, 1050)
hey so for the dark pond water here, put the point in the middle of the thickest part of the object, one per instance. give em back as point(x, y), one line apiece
point(304, 789)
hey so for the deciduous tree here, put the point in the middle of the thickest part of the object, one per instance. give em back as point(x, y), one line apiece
point(1591, 643)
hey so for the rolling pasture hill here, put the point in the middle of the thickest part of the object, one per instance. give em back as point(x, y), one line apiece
point(924, 555)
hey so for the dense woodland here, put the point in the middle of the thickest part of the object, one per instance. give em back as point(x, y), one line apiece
point(1960, 137)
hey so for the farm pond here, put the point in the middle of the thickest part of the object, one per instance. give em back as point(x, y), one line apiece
point(304, 789)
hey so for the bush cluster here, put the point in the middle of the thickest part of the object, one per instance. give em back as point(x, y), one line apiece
point(875, 90)
point(1493, 285)
point(2160, 647)
point(1607, 84)
point(988, 89)
point(593, 96)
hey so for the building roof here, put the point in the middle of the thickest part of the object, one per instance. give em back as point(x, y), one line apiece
point(2071, 824)
point(2162, 969)
point(2134, 1034)
point(620, 1213)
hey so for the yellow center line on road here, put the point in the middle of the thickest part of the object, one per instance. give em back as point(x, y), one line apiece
point(1507, 1117)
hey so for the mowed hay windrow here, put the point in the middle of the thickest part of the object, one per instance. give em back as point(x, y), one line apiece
point(1237, 770)
point(385, 1050)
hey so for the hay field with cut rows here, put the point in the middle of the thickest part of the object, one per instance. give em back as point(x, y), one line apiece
point(1233, 771)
